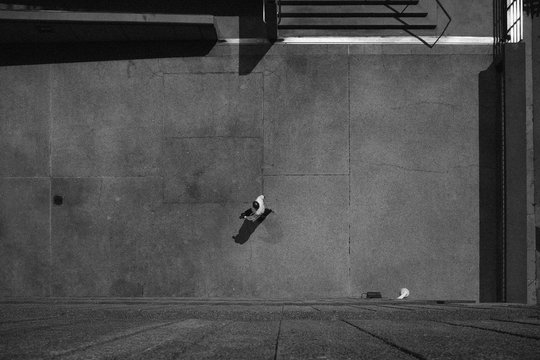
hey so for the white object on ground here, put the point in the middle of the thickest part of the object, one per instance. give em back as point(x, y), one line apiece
point(261, 208)
point(404, 293)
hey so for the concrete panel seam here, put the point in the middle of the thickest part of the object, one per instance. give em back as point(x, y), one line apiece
point(27, 320)
point(109, 177)
point(422, 170)
point(214, 137)
point(277, 175)
point(43, 327)
point(234, 202)
point(204, 336)
point(50, 69)
point(349, 165)
point(24, 177)
point(514, 321)
point(363, 308)
point(206, 72)
point(386, 341)
point(262, 134)
point(278, 334)
point(109, 340)
point(395, 307)
point(358, 57)
point(191, 343)
point(162, 145)
point(100, 192)
point(487, 329)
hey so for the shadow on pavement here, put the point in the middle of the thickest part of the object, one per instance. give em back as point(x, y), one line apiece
point(248, 228)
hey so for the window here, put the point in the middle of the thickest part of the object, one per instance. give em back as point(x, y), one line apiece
point(514, 22)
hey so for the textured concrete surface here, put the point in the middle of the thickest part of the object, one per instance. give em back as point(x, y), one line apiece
point(312, 339)
point(115, 237)
point(24, 237)
point(430, 340)
point(367, 155)
point(107, 119)
point(307, 237)
point(306, 116)
point(99, 233)
point(167, 328)
point(414, 174)
point(24, 121)
point(209, 105)
point(469, 18)
point(212, 170)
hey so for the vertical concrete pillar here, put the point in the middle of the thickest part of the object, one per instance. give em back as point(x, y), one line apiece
point(516, 173)
point(490, 191)
point(529, 98)
point(532, 40)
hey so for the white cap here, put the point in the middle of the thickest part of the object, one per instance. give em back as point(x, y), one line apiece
point(404, 293)
point(261, 208)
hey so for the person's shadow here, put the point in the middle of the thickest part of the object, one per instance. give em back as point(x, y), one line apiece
point(248, 228)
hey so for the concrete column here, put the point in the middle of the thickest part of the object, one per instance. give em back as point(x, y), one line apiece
point(528, 39)
point(516, 173)
point(532, 40)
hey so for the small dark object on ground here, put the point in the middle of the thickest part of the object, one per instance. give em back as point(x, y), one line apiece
point(373, 295)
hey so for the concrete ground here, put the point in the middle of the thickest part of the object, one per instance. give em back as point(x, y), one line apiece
point(152, 160)
point(347, 328)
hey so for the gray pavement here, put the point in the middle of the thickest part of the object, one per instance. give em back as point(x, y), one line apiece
point(190, 328)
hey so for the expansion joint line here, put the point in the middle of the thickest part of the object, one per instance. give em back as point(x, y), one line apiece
point(278, 334)
point(50, 108)
point(515, 322)
point(262, 135)
point(492, 330)
point(43, 327)
point(386, 341)
point(195, 342)
point(395, 307)
point(107, 341)
point(349, 280)
point(27, 320)
point(362, 307)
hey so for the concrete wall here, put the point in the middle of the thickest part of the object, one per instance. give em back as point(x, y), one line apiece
point(368, 156)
